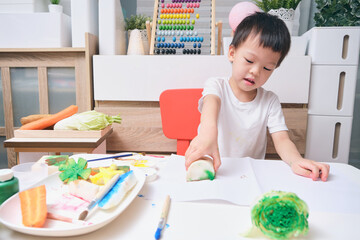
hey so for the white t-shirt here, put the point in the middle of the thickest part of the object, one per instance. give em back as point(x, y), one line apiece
point(242, 125)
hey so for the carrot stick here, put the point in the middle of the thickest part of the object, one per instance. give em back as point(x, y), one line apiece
point(51, 120)
point(33, 206)
point(32, 118)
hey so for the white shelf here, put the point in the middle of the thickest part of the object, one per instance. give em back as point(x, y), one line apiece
point(143, 78)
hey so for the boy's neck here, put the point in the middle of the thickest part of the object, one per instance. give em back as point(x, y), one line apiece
point(243, 96)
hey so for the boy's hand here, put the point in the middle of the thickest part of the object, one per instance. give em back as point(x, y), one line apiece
point(205, 143)
point(310, 169)
point(201, 146)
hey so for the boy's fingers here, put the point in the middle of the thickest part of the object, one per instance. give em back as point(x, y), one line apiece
point(303, 172)
point(217, 161)
point(188, 152)
point(324, 168)
point(315, 172)
point(191, 158)
point(313, 168)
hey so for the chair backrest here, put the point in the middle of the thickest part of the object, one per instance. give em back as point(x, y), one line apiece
point(180, 116)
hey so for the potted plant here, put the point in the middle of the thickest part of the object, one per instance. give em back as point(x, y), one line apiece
point(138, 22)
point(337, 13)
point(55, 7)
point(284, 9)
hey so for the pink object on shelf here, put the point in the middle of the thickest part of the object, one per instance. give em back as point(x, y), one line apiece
point(241, 11)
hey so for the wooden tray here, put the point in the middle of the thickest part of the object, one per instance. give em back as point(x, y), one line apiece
point(61, 133)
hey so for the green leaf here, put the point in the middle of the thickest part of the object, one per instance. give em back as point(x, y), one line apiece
point(72, 170)
point(267, 5)
point(81, 163)
point(136, 22)
point(337, 13)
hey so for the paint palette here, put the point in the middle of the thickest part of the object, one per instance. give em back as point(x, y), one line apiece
point(10, 212)
point(183, 27)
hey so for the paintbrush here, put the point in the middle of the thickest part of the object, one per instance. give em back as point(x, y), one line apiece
point(163, 217)
point(108, 186)
point(66, 219)
point(110, 157)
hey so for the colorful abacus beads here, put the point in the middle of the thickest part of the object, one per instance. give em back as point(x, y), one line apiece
point(178, 18)
point(191, 51)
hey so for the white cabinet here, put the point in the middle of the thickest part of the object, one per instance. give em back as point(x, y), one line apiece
point(332, 90)
point(335, 56)
point(328, 138)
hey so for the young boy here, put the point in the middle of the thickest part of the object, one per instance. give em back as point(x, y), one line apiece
point(235, 112)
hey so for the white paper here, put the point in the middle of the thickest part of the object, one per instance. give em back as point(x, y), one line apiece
point(234, 182)
point(340, 193)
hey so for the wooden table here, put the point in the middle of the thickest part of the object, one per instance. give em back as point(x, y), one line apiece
point(332, 214)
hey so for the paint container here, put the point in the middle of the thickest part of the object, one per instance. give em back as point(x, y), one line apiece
point(9, 185)
point(150, 174)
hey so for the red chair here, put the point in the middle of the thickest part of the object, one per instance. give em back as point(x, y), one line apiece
point(180, 116)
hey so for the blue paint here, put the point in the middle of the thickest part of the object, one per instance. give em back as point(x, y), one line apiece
point(153, 204)
point(158, 233)
point(114, 189)
point(167, 225)
point(140, 195)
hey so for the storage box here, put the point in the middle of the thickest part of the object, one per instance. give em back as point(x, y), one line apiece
point(23, 6)
point(332, 90)
point(35, 30)
point(84, 18)
point(334, 45)
point(328, 138)
point(112, 38)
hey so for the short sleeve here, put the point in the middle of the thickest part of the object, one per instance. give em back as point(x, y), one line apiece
point(212, 86)
point(276, 119)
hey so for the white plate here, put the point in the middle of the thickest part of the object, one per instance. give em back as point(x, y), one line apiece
point(10, 212)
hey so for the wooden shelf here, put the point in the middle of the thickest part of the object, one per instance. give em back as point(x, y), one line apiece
point(43, 58)
point(44, 144)
point(39, 50)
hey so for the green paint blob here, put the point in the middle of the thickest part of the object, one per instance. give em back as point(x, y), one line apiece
point(210, 174)
point(280, 215)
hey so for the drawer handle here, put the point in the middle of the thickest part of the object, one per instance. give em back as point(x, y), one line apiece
point(341, 91)
point(345, 46)
point(336, 140)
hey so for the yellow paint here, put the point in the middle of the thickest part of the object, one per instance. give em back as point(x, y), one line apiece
point(140, 163)
point(105, 174)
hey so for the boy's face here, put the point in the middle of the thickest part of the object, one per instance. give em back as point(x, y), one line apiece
point(252, 65)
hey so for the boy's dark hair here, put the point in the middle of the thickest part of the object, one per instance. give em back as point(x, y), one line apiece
point(272, 31)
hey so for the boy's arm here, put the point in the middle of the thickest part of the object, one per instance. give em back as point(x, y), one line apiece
point(299, 165)
point(205, 143)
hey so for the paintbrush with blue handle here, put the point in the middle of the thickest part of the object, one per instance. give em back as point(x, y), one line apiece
point(163, 217)
point(108, 186)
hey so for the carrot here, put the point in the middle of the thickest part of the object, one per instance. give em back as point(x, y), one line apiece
point(51, 120)
point(33, 117)
point(33, 206)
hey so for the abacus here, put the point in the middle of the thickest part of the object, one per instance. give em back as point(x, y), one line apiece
point(183, 27)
